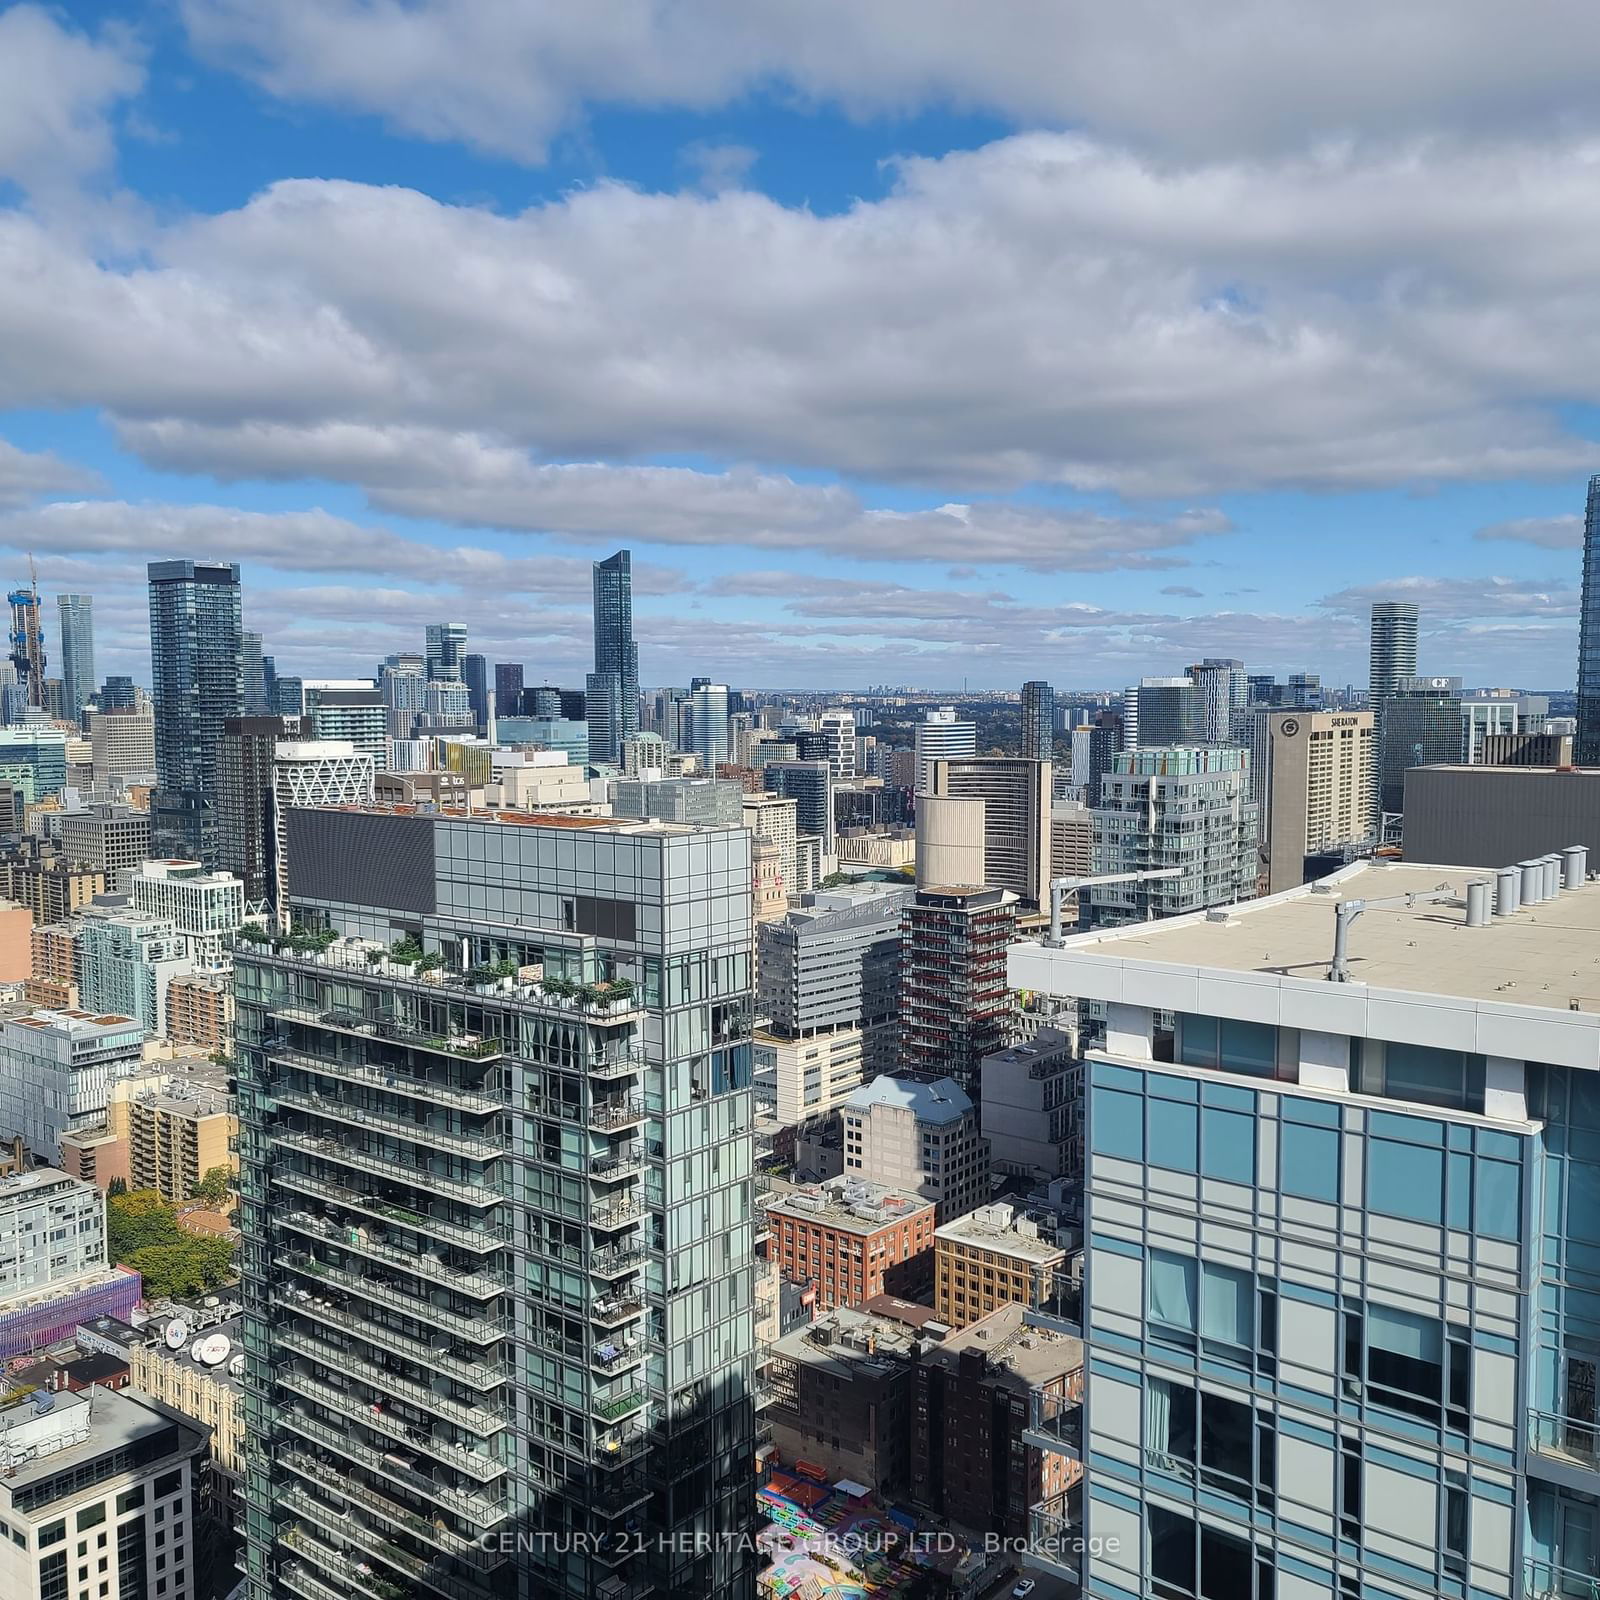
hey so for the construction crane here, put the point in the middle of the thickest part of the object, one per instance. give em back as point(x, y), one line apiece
point(27, 638)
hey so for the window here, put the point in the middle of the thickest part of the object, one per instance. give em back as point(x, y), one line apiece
point(168, 1483)
point(1173, 1296)
point(1229, 1146)
point(1309, 1162)
point(1448, 1078)
point(1412, 1364)
point(1349, 1489)
point(1226, 1313)
point(91, 1516)
point(1405, 1180)
point(1119, 1124)
point(130, 1500)
point(1250, 1048)
point(1453, 1525)
point(1187, 1560)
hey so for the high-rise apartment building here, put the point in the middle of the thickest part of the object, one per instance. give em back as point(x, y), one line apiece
point(508, 688)
point(120, 694)
point(612, 689)
point(708, 723)
point(1224, 687)
point(955, 1007)
point(75, 623)
point(33, 760)
point(1319, 1216)
point(126, 959)
point(245, 755)
point(920, 1137)
point(1016, 819)
point(56, 1072)
point(207, 908)
point(253, 675)
point(475, 1311)
point(810, 785)
point(354, 710)
point(1587, 745)
point(1093, 749)
point(1392, 656)
point(1187, 807)
point(1038, 720)
point(308, 773)
point(837, 730)
point(196, 664)
point(1169, 711)
point(1316, 788)
point(475, 674)
point(942, 736)
point(446, 644)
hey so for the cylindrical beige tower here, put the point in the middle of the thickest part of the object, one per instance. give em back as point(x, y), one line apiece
point(949, 842)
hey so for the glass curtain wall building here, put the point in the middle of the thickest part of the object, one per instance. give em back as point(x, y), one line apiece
point(197, 674)
point(1038, 720)
point(612, 689)
point(496, 1212)
point(75, 617)
point(1587, 749)
point(1341, 1288)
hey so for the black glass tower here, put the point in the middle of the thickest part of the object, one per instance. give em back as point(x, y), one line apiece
point(1588, 742)
point(197, 675)
point(613, 687)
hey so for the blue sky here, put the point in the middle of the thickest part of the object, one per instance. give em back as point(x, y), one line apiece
point(917, 343)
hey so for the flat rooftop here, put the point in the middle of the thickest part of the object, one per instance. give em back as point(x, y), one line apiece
point(852, 1204)
point(1001, 1229)
point(1023, 1355)
point(524, 819)
point(1545, 955)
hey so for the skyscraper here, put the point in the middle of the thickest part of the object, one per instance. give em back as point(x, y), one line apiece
point(253, 679)
point(613, 687)
point(708, 708)
point(197, 672)
point(1392, 656)
point(27, 648)
point(244, 801)
point(1169, 711)
point(1016, 819)
point(1312, 778)
point(497, 1261)
point(75, 613)
point(446, 645)
point(1038, 720)
point(942, 736)
point(475, 672)
point(508, 689)
point(1587, 744)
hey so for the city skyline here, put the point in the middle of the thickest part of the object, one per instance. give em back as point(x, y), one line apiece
point(1148, 442)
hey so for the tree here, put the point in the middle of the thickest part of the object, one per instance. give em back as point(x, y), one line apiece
point(191, 1266)
point(215, 1185)
point(138, 1220)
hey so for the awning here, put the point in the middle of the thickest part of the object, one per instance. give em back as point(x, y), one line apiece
point(856, 1491)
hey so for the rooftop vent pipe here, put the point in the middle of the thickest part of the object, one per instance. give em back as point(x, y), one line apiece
point(1574, 866)
point(1532, 891)
point(1506, 897)
point(1478, 902)
point(1552, 876)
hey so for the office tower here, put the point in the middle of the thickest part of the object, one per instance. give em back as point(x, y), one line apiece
point(1527, 750)
point(920, 1137)
point(475, 674)
point(1038, 720)
point(1169, 711)
point(1071, 839)
point(75, 624)
point(708, 707)
point(288, 697)
point(1486, 719)
point(27, 647)
point(1224, 687)
point(1016, 819)
point(810, 785)
point(253, 680)
point(546, 733)
point(1174, 806)
point(1392, 656)
point(508, 687)
point(120, 694)
point(773, 817)
point(1313, 1244)
point(122, 744)
point(446, 644)
point(558, 1339)
point(354, 710)
point(837, 730)
point(33, 759)
point(402, 686)
point(244, 801)
point(942, 736)
point(56, 1071)
point(115, 1467)
point(1489, 816)
point(717, 801)
point(112, 839)
point(196, 650)
point(1093, 748)
point(955, 1007)
point(1316, 792)
point(828, 975)
point(573, 705)
point(207, 908)
point(1303, 691)
point(544, 700)
point(305, 773)
point(1588, 736)
point(1263, 689)
point(1422, 727)
point(612, 689)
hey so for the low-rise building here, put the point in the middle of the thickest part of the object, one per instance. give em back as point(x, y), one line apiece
point(923, 1137)
point(97, 1489)
point(853, 1240)
point(978, 1394)
point(988, 1259)
point(200, 1011)
point(1032, 1106)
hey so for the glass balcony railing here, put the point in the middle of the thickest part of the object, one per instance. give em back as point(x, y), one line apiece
point(1544, 1580)
point(471, 1147)
point(484, 1328)
point(365, 1412)
point(612, 1407)
point(390, 1169)
point(391, 1080)
point(347, 1529)
point(483, 1238)
point(299, 1579)
point(358, 1241)
point(617, 1213)
point(330, 1558)
point(1564, 1438)
point(616, 1259)
point(1055, 1535)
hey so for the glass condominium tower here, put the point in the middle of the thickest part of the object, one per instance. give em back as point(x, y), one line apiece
point(495, 1146)
point(612, 689)
point(75, 614)
point(1038, 720)
point(1341, 1271)
point(1587, 746)
point(1391, 658)
point(197, 675)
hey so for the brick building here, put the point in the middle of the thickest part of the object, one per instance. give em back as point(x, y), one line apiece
point(988, 1259)
point(854, 1240)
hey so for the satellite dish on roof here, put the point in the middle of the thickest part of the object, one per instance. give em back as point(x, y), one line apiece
point(214, 1349)
point(177, 1334)
point(194, 1349)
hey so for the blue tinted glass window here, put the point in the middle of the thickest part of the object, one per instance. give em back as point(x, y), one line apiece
point(1197, 1041)
point(1173, 1136)
point(1118, 1124)
point(1404, 1180)
point(1433, 1077)
point(1499, 1197)
point(1309, 1162)
point(1173, 1293)
point(1459, 1214)
point(1226, 1310)
point(1229, 1150)
point(1248, 1047)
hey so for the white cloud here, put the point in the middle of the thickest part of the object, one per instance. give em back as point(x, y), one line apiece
point(24, 475)
point(58, 90)
point(1235, 75)
point(1549, 533)
point(1454, 599)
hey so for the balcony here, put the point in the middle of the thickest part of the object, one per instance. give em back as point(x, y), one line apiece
point(615, 1165)
point(391, 1080)
point(618, 1447)
point(606, 1215)
point(472, 1508)
point(484, 1420)
point(615, 1260)
point(1564, 1450)
point(1542, 1580)
point(610, 1408)
point(483, 1239)
point(470, 1147)
point(370, 1415)
point(484, 1329)
point(297, 1578)
point(299, 1538)
point(1055, 1422)
point(612, 1312)
point(622, 1357)
point(389, 1169)
point(611, 1116)
point(394, 1031)
point(476, 1374)
point(471, 1285)
point(345, 1527)
point(1055, 1534)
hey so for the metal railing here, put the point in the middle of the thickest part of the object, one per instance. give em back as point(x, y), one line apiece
point(469, 1145)
point(472, 1285)
point(392, 1081)
point(386, 1167)
point(1544, 1580)
point(482, 1239)
point(482, 1329)
point(1565, 1438)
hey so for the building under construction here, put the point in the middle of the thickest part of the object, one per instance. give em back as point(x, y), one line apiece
point(27, 641)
